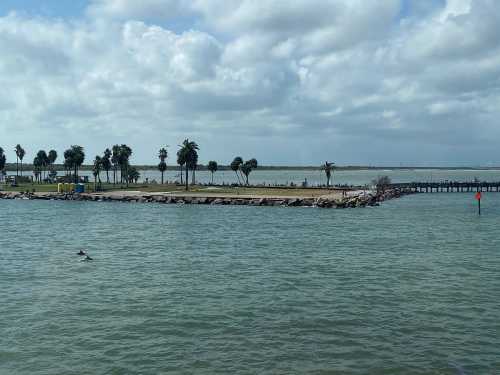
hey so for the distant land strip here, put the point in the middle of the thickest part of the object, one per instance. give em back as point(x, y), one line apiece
point(11, 167)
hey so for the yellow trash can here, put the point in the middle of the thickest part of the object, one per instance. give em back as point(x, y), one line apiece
point(72, 188)
point(60, 188)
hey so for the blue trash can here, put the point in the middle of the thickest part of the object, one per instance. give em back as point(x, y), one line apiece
point(80, 188)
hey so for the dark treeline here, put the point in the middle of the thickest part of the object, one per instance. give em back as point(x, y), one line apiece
point(115, 162)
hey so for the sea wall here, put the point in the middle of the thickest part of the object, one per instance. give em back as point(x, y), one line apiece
point(358, 200)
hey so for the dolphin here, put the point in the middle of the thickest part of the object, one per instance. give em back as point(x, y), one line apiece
point(460, 370)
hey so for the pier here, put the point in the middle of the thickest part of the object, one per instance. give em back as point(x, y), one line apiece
point(447, 187)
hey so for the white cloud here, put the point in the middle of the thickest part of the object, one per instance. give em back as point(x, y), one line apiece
point(455, 8)
point(156, 70)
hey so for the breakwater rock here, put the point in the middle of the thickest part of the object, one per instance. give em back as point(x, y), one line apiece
point(358, 199)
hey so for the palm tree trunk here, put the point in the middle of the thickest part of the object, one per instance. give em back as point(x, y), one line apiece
point(17, 166)
point(162, 177)
point(107, 176)
point(181, 174)
point(212, 178)
point(187, 178)
point(21, 167)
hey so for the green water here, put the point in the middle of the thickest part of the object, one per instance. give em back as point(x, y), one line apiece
point(405, 288)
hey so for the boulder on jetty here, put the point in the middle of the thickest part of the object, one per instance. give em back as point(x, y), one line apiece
point(294, 202)
point(361, 199)
point(325, 203)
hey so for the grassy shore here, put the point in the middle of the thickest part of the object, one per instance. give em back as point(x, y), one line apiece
point(180, 190)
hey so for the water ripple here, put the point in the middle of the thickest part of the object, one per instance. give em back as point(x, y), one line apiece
point(408, 288)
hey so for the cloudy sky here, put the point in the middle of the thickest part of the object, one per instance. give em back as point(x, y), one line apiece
point(286, 81)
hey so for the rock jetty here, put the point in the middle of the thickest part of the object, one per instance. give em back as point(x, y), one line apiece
point(361, 199)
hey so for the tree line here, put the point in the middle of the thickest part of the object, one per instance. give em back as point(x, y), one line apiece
point(187, 159)
point(118, 159)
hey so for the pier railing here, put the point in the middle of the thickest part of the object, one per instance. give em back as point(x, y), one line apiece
point(448, 187)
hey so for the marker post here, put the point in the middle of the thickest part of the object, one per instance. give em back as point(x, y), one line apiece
point(478, 198)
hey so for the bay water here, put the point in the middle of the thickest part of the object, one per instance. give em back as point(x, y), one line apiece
point(317, 177)
point(410, 287)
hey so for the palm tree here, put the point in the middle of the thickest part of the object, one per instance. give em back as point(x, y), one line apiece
point(328, 168)
point(235, 166)
point(193, 164)
point(19, 156)
point(253, 163)
point(43, 161)
point(106, 162)
point(162, 167)
point(74, 158)
point(17, 149)
point(52, 157)
point(188, 155)
point(3, 161)
point(96, 171)
point(115, 160)
point(162, 154)
point(79, 158)
point(68, 162)
point(123, 161)
point(37, 168)
point(212, 167)
point(247, 167)
point(180, 160)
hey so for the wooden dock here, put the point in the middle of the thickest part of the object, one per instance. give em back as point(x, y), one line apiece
point(448, 187)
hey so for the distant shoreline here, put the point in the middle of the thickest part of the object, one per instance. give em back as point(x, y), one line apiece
point(11, 167)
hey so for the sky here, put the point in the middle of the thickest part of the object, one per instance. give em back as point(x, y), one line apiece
point(289, 82)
